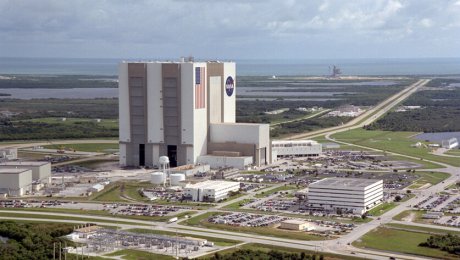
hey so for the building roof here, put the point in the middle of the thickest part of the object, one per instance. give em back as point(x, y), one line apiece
point(343, 183)
point(294, 142)
point(295, 222)
point(211, 184)
point(12, 170)
point(24, 163)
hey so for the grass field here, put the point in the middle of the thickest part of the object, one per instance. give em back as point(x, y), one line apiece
point(217, 241)
point(201, 220)
point(89, 147)
point(237, 205)
point(395, 240)
point(268, 248)
point(382, 208)
point(110, 123)
point(455, 152)
point(429, 177)
point(264, 194)
point(398, 142)
point(38, 216)
point(131, 254)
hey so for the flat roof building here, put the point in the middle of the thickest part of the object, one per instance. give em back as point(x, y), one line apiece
point(346, 195)
point(41, 171)
point(296, 148)
point(293, 224)
point(183, 110)
point(15, 181)
point(210, 190)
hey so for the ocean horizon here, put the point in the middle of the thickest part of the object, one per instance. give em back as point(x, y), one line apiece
point(245, 67)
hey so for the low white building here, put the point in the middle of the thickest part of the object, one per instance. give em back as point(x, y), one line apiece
point(348, 195)
point(8, 154)
point(450, 143)
point(15, 181)
point(41, 171)
point(296, 148)
point(210, 190)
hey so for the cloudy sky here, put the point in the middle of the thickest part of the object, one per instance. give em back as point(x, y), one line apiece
point(234, 29)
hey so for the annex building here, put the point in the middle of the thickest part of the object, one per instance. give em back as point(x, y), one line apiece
point(185, 110)
point(210, 190)
point(348, 195)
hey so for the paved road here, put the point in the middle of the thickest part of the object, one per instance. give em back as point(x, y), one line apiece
point(301, 119)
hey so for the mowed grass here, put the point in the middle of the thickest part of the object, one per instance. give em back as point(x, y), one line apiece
point(89, 147)
point(201, 221)
point(131, 254)
point(217, 241)
point(455, 152)
point(382, 208)
point(264, 194)
point(429, 177)
point(268, 248)
point(397, 142)
point(395, 240)
point(109, 123)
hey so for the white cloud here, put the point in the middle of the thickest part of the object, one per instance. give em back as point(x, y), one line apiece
point(427, 23)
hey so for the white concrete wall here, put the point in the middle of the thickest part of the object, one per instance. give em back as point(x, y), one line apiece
point(240, 133)
point(229, 103)
point(122, 155)
point(223, 161)
point(187, 102)
point(123, 99)
point(154, 103)
point(16, 181)
point(215, 99)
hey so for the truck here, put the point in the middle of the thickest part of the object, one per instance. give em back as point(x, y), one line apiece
point(171, 220)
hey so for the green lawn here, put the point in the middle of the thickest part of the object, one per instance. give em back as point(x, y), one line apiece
point(110, 123)
point(268, 248)
point(455, 152)
point(201, 220)
point(237, 204)
point(264, 194)
point(389, 239)
point(130, 254)
point(217, 241)
point(429, 177)
point(422, 229)
point(89, 147)
point(382, 208)
point(37, 216)
point(398, 142)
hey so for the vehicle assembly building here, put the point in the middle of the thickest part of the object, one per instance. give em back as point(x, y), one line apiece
point(348, 195)
point(185, 110)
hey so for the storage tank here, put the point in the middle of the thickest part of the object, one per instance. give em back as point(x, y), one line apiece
point(157, 178)
point(176, 178)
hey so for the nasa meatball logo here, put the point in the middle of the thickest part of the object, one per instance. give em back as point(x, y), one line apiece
point(229, 86)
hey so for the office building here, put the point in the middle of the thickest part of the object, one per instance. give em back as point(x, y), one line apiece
point(296, 148)
point(346, 195)
point(184, 110)
point(15, 181)
point(210, 190)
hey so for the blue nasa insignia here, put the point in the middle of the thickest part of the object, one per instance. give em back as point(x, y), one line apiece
point(229, 86)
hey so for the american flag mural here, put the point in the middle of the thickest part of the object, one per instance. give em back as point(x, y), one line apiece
point(200, 88)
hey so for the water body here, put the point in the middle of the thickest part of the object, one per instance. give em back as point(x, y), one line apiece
point(40, 93)
point(438, 137)
point(299, 67)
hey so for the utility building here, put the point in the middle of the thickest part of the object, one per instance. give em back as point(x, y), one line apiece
point(15, 182)
point(348, 195)
point(41, 171)
point(184, 110)
point(296, 148)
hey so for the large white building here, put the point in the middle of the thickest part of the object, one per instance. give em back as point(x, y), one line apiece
point(184, 110)
point(210, 190)
point(41, 171)
point(345, 194)
point(15, 181)
point(296, 148)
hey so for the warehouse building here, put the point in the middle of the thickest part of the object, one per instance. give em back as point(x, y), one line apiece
point(41, 171)
point(296, 148)
point(210, 190)
point(293, 224)
point(185, 110)
point(15, 181)
point(346, 195)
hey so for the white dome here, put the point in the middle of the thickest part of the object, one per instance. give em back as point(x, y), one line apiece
point(164, 160)
point(157, 178)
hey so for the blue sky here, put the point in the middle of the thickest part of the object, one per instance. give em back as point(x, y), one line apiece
point(234, 29)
